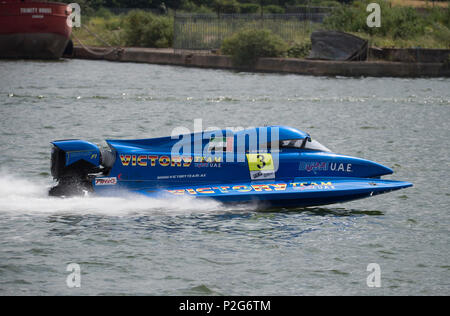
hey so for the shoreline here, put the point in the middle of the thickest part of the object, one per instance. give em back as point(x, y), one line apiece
point(273, 65)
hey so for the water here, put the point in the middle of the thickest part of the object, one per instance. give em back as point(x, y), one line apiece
point(131, 245)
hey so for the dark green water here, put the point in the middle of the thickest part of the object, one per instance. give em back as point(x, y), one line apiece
point(168, 247)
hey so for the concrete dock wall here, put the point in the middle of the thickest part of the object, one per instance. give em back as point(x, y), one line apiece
point(280, 65)
point(410, 55)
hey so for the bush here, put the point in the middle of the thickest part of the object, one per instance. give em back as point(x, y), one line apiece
point(189, 6)
point(226, 6)
point(342, 19)
point(440, 15)
point(247, 46)
point(249, 8)
point(406, 23)
point(398, 22)
point(329, 3)
point(103, 13)
point(148, 30)
point(274, 9)
point(299, 50)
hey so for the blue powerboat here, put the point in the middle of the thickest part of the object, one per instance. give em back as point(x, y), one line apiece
point(272, 166)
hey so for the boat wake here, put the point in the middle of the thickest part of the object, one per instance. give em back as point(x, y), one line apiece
point(19, 196)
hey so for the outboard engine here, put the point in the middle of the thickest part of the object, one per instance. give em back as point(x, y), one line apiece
point(74, 163)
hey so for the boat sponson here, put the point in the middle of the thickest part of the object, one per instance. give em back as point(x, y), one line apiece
point(298, 192)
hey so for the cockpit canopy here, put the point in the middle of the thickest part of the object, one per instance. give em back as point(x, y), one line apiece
point(305, 143)
point(227, 140)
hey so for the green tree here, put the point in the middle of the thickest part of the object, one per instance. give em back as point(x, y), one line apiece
point(226, 6)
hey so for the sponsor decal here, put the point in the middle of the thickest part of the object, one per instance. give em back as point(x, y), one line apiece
point(181, 176)
point(261, 166)
point(312, 185)
point(207, 165)
point(344, 167)
point(324, 166)
point(207, 159)
point(128, 160)
point(262, 175)
point(87, 154)
point(255, 188)
point(221, 144)
point(106, 181)
point(36, 10)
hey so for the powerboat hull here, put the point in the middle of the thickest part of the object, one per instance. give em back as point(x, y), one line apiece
point(285, 168)
point(300, 192)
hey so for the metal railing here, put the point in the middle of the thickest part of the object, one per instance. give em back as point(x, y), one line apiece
point(207, 31)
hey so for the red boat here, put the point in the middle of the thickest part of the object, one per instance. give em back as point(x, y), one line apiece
point(33, 29)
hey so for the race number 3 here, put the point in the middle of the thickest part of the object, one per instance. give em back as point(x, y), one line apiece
point(261, 166)
point(257, 162)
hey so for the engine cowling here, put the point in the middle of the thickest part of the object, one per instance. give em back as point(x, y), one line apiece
point(74, 163)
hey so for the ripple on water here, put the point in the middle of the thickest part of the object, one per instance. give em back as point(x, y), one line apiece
point(198, 290)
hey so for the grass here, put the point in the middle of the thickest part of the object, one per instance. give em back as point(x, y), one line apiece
point(420, 3)
point(137, 28)
point(422, 41)
point(110, 30)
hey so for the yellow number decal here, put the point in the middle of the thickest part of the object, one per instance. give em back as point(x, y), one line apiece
point(260, 162)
